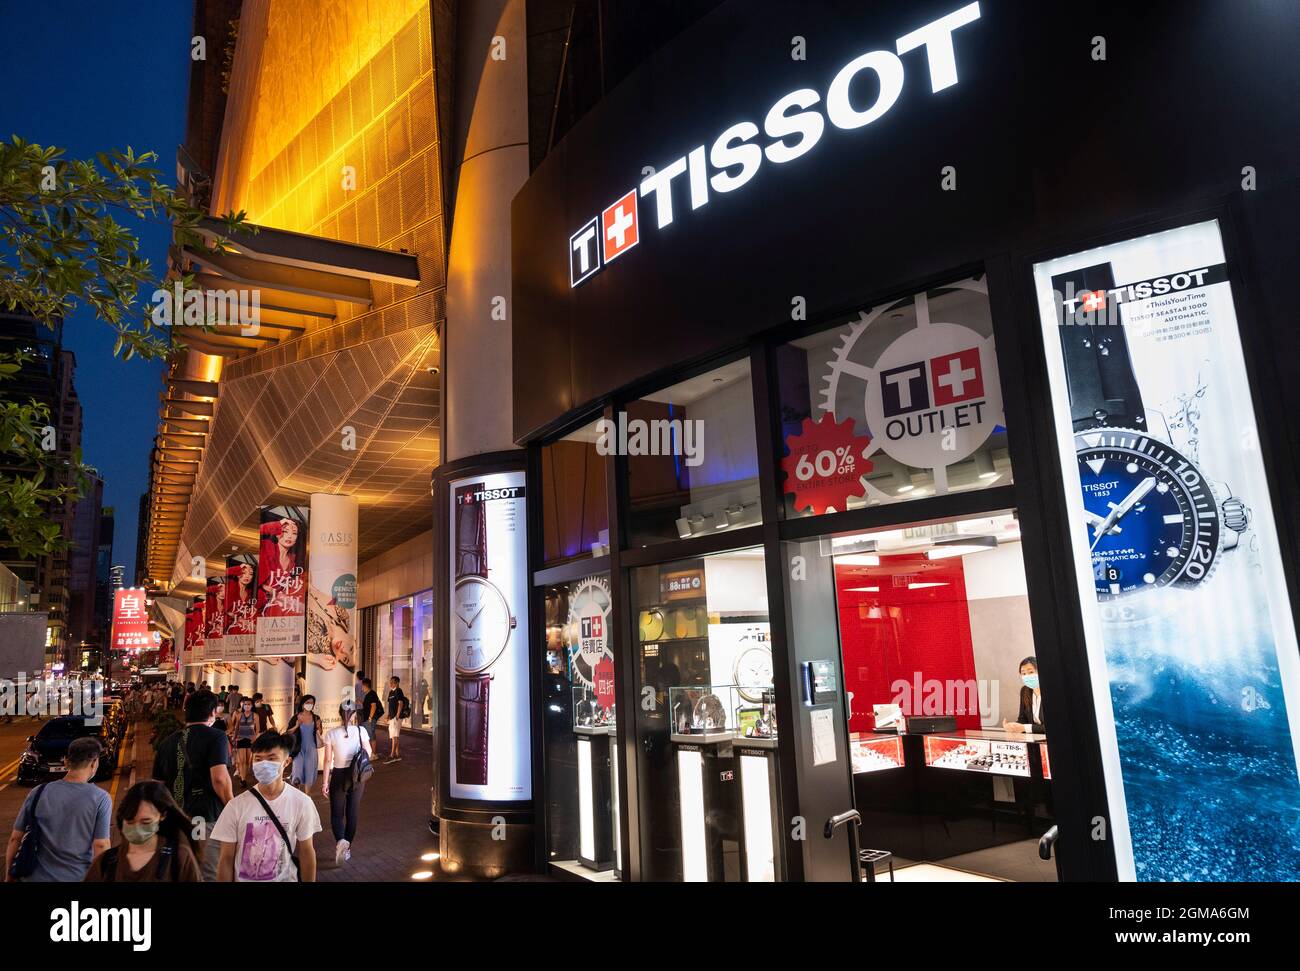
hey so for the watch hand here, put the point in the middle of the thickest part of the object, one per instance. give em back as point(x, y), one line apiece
point(1118, 512)
point(1094, 519)
point(476, 613)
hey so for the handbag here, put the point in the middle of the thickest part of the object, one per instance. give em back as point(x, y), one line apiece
point(29, 850)
point(279, 828)
point(362, 768)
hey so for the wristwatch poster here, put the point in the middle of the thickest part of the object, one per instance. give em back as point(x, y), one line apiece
point(489, 639)
point(1183, 597)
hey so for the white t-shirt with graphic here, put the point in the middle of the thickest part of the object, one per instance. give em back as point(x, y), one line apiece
point(260, 853)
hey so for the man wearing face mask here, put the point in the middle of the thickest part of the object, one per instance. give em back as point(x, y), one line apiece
point(194, 765)
point(1030, 718)
point(266, 832)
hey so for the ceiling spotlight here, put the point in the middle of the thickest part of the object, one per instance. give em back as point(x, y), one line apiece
point(422, 875)
point(858, 559)
point(960, 546)
point(984, 466)
point(903, 481)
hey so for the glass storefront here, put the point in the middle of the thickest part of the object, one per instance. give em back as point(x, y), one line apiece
point(403, 639)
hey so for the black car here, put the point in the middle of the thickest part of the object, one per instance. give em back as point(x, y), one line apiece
point(43, 758)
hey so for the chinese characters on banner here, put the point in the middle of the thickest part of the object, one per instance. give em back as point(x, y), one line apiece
point(239, 632)
point(194, 630)
point(130, 621)
point(214, 614)
point(282, 582)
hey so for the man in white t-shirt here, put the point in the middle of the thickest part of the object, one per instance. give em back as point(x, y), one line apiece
point(253, 849)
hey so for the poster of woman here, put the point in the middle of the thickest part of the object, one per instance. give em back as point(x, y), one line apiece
point(240, 608)
point(282, 582)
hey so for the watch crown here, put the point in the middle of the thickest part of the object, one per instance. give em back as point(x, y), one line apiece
point(1236, 515)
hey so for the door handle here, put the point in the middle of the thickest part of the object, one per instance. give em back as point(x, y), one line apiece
point(841, 819)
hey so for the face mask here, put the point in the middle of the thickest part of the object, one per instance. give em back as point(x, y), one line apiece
point(267, 772)
point(138, 833)
point(308, 707)
point(1030, 680)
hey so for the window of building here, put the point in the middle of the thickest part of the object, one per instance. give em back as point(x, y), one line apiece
point(692, 462)
point(901, 401)
point(575, 510)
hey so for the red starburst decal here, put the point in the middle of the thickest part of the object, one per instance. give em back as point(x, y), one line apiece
point(825, 464)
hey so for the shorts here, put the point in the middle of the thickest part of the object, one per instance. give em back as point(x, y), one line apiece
point(394, 727)
point(243, 743)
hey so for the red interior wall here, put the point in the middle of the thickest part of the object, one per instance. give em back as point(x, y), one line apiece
point(895, 633)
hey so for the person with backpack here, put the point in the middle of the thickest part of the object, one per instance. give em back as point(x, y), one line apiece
point(347, 766)
point(194, 765)
point(63, 824)
point(265, 832)
point(156, 846)
point(399, 709)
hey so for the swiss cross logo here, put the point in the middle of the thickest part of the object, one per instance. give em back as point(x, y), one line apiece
point(957, 377)
point(593, 627)
point(1093, 300)
point(903, 389)
point(619, 227)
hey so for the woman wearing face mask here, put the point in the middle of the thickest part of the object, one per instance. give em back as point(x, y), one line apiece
point(155, 847)
point(1030, 718)
point(341, 747)
point(242, 731)
point(306, 725)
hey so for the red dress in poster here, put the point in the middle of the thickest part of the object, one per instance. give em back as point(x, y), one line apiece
point(282, 580)
point(241, 599)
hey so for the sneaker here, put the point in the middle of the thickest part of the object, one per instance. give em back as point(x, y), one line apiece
point(347, 855)
point(341, 853)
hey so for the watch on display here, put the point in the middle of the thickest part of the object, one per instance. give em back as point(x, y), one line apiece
point(1154, 518)
point(708, 715)
point(752, 672)
point(481, 632)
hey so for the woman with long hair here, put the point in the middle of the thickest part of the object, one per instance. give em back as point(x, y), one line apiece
point(282, 583)
point(156, 846)
point(305, 727)
point(341, 746)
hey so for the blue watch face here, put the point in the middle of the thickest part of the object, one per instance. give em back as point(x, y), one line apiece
point(1151, 518)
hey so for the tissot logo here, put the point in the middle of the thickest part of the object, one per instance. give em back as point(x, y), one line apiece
point(943, 380)
point(793, 126)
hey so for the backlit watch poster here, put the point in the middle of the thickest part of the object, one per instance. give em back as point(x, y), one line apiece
point(489, 727)
point(1190, 637)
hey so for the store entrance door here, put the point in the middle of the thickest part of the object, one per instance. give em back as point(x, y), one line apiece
point(949, 769)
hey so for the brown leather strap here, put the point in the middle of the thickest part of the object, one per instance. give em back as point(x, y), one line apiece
point(472, 728)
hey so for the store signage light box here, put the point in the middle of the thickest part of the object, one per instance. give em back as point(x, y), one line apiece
point(735, 159)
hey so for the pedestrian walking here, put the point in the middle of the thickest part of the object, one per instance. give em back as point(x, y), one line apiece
point(241, 732)
point(194, 765)
point(341, 786)
point(371, 709)
point(69, 819)
point(156, 846)
point(266, 832)
point(399, 709)
point(305, 729)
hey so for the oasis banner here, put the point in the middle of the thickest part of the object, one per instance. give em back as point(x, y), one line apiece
point(214, 618)
point(332, 604)
point(282, 582)
point(239, 632)
point(1190, 636)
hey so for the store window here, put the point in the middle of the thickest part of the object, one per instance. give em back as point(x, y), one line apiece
point(902, 401)
point(404, 648)
point(580, 730)
point(575, 511)
point(947, 723)
point(707, 728)
point(691, 457)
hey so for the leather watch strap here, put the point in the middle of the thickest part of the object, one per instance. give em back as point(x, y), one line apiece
point(471, 533)
point(472, 728)
point(1098, 368)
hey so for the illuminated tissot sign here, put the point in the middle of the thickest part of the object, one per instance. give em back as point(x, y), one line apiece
point(792, 123)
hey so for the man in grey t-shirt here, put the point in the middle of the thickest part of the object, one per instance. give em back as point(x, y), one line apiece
point(74, 816)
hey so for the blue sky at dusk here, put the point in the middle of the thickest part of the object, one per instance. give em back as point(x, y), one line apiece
point(88, 77)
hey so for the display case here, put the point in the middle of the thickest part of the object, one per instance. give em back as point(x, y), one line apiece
point(993, 753)
point(706, 713)
point(592, 714)
point(872, 752)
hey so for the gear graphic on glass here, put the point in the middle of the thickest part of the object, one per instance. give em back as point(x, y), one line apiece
point(855, 360)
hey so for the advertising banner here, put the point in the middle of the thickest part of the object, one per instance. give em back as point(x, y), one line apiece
point(489, 638)
point(239, 632)
point(282, 582)
point(130, 621)
point(1191, 641)
point(332, 657)
point(194, 631)
point(214, 618)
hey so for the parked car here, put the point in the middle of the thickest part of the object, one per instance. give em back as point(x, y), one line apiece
point(43, 758)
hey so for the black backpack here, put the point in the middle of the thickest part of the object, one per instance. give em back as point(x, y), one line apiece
point(167, 863)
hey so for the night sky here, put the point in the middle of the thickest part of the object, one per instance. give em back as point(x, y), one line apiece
point(89, 77)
